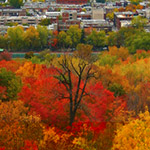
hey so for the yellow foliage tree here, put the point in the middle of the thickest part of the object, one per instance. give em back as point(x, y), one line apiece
point(53, 140)
point(31, 38)
point(135, 82)
point(122, 52)
point(134, 135)
point(29, 70)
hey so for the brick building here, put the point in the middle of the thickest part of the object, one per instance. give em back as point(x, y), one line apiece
point(68, 18)
point(12, 12)
point(69, 15)
point(98, 25)
point(123, 18)
point(53, 16)
point(71, 1)
point(83, 16)
point(4, 20)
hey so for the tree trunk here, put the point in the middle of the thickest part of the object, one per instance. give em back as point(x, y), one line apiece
point(72, 117)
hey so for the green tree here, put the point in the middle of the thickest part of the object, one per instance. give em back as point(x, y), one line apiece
point(12, 83)
point(83, 36)
point(123, 34)
point(122, 37)
point(45, 22)
point(140, 41)
point(97, 39)
point(29, 55)
point(112, 39)
point(106, 59)
point(117, 89)
point(139, 22)
point(16, 3)
point(68, 41)
point(45, 55)
point(62, 39)
point(15, 36)
point(43, 35)
point(75, 34)
point(11, 24)
point(3, 41)
point(135, 2)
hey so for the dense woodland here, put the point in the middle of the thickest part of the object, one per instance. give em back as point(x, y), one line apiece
point(82, 101)
point(76, 102)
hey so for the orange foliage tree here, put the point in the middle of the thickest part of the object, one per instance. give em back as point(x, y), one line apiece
point(17, 126)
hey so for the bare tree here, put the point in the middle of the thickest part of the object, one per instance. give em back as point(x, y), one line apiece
point(83, 70)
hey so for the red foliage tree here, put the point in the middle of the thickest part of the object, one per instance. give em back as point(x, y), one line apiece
point(2, 92)
point(54, 42)
point(45, 97)
point(55, 33)
point(29, 145)
point(49, 98)
point(10, 65)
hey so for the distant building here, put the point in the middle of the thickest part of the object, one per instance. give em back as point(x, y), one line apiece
point(84, 16)
point(64, 26)
point(53, 27)
point(123, 18)
point(97, 24)
point(109, 9)
point(12, 12)
point(78, 2)
point(38, 8)
point(69, 17)
point(122, 3)
point(125, 23)
point(141, 12)
point(4, 20)
point(97, 13)
point(53, 16)
point(147, 11)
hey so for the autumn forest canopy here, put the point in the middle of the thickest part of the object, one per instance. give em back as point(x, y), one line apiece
point(82, 101)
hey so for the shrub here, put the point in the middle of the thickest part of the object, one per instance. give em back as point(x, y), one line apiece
point(29, 55)
point(5, 56)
